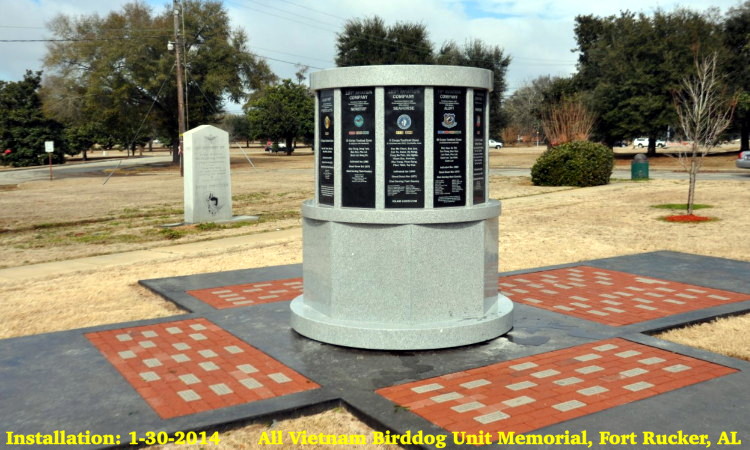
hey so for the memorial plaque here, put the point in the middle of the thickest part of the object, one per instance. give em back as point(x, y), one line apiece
point(450, 147)
point(358, 147)
point(404, 147)
point(325, 147)
point(480, 169)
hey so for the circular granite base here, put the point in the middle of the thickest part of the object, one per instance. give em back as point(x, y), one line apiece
point(388, 336)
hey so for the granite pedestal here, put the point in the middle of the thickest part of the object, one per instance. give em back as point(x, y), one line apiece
point(401, 240)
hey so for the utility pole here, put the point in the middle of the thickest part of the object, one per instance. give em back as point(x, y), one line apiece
point(180, 94)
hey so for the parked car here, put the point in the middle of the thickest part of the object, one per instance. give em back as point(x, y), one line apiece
point(280, 147)
point(643, 142)
point(494, 144)
point(743, 160)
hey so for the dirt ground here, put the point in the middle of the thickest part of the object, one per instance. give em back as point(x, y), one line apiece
point(538, 227)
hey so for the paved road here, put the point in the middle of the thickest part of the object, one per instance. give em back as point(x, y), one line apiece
point(17, 176)
point(624, 174)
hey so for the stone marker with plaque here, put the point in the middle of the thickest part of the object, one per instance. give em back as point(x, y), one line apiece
point(208, 185)
point(401, 242)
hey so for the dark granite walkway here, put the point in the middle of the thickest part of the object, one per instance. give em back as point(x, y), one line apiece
point(580, 359)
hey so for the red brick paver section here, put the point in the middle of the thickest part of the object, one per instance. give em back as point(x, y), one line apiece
point(533, 392)
point(250, 294)
point(610, 297)
point(191, 366)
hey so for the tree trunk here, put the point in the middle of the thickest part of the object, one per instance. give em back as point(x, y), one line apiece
point(176, 153)
point(651, 145)
point(289, 145)
point(691, 188)
point(85, 156)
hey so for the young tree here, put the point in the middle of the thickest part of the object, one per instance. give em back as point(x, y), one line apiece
point(80, 138)
point(704, 112)
point(285, 111)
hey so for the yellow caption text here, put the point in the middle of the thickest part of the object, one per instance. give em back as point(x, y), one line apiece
point(62, 437)
point(582, 438)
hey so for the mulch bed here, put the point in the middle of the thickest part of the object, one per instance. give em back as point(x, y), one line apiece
point(687, 218)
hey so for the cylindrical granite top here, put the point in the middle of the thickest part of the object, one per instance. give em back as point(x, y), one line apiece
point(402, 75)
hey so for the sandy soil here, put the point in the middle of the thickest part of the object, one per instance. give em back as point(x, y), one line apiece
point(538, 227)
point(337, 421)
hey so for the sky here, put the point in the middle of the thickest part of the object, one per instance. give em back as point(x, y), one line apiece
point(537, 34)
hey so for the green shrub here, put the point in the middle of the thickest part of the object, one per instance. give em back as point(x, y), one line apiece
point(579, 163)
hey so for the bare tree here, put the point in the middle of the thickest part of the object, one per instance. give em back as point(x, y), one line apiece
point(524, 107)
point(704, 111)
point(567, 121)
point(511, 134)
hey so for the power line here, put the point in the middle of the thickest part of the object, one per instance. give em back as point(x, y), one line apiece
point(560, 61)
point(290, 13)
point(82, 39)
point(550, 64)
point(528, 61)
point(100, 29)
point(290, 54)
point(314, 10)
point(19, 27)
point(365, 36)
point(282, 17)
point(254, 54)
point(138, 131)
point(368, 37)
point(288, 62)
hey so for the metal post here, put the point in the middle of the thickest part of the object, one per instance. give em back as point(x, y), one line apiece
point(50, 166)
point(180, 94)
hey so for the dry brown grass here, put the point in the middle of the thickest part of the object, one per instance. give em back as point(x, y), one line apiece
point(728, 336)
point(538, 227)
point(79, 217)
point(112, 294)
point(721, 158)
